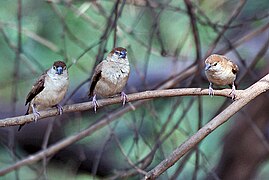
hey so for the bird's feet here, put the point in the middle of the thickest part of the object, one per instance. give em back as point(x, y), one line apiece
point(210, 90)
point(36, 113)
point(124, 98)
point(95, 104)
point(233, 92)
point(60, 109)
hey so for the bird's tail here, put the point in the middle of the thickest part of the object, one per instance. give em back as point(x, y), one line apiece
point(27, 112)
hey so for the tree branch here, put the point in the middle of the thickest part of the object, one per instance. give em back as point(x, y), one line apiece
point(19, 120)
point(246, 96)
point(243, 96)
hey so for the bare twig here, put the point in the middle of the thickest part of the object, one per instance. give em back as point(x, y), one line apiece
point(126, 156)
point(195, 32)
point(244, 39)
point(235, 13)
point(15, 121)
point(14, 94)
point(32, 35)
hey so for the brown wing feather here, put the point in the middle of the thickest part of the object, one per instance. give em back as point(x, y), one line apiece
point(95, 78)
point(36, 89)
point(235, 68)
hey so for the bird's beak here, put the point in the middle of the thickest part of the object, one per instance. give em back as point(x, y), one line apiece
point(59, 70)
point(207, 66)
point(122, 54)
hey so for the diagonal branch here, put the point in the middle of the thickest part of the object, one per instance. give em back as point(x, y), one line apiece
point(246, 96)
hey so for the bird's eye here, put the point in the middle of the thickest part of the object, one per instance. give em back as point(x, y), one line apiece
point(117, 52)
point(215, 64)
point(54, 67)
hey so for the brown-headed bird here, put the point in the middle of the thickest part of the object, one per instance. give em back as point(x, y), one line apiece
point(49, 90)
point(110, 76)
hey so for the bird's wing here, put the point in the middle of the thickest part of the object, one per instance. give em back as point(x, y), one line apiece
point(95, 78)
point(36, 89)
point(235, 68)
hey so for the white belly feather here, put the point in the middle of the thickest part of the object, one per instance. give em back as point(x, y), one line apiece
point(224, 77)
point(54, 91)
point(113, 79)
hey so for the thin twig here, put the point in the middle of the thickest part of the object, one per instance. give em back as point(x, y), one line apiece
point(244, 39)
point(15, 121)
point(126, 156)
point(195, 32)
point(226, 26)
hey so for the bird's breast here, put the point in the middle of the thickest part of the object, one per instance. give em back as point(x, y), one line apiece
point(222, 77)
point(113, 80)
point(52, 94)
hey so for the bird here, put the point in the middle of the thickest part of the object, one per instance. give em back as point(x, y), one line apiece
point(110, 76)
point(48, 91)
point(220, 70)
